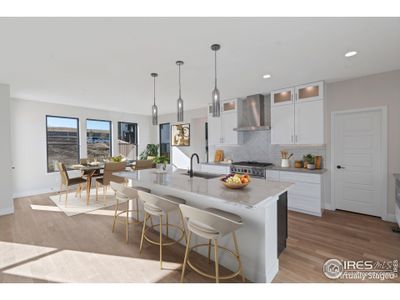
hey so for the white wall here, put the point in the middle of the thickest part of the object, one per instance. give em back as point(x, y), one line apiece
point(180, 155)
point(371, 91)
point(28, 141)
point(6, 201)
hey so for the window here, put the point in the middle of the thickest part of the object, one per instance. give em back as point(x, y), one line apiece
point(98, 133)
point(165, 138)
point(127, 140)
point(62, 135)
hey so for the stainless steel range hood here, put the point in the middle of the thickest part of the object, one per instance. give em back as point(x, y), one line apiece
point(254, 113)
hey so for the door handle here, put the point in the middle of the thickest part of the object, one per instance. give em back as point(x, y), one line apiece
point(340, 167)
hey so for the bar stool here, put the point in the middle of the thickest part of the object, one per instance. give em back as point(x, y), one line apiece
point(126, 194)
point(211, 224)
point(160, 206)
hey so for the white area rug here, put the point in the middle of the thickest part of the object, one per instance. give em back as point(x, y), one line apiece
point(76, 206)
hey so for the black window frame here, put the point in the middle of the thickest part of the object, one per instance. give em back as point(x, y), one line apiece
point(159, 137)
point(136, 134)
point(111, 135)
point(47, 139)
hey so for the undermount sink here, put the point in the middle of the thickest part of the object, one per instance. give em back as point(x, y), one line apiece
point(204, 175)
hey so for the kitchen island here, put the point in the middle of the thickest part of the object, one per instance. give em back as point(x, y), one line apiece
point(256, 204)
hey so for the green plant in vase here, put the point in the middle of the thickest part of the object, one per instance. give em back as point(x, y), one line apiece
point(150, 152)
point(161, 161)
point(309, 159)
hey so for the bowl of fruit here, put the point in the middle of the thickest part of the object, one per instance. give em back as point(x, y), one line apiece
point(236, 181)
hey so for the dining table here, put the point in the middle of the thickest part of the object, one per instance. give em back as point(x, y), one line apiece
point(92, 170)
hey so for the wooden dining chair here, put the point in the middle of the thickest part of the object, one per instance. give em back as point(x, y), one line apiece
point(144, 164)
point(109, 169)
point(66, 182)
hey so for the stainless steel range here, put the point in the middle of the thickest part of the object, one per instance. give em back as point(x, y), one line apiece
point(253, 168)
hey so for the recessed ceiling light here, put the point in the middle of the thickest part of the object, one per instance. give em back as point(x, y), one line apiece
point(266, 76)
point(351, 53)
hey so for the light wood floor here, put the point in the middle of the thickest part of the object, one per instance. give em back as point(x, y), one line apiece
point(43, 245)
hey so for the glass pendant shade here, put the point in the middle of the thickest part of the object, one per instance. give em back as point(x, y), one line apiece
point(154, 114)
point(180, 110)
point(154, 108)
point(216, 106)
point(179, 103)
point(216, 98)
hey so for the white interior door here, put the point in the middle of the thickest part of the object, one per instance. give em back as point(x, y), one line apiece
point(357, 162)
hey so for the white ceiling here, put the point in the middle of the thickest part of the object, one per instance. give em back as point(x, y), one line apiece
point(106, 63)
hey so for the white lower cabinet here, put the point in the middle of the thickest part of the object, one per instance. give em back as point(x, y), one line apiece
point(215, 169)
point(307, 193)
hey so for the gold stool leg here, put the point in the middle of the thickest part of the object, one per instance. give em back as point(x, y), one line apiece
point(216, 261)
point(209, 251)
point(166, 221)
point(104, 194)
point(66, 196)
point(61, 189)
point(238, 256)
point(127, 222)
point(161, 242)
point(144, 228)
point(115, 215)
point(186, 255)
point(137, 209)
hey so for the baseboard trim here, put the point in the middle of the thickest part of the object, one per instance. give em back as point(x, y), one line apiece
point(390, 218)
point(6, 211)
point(34, 192)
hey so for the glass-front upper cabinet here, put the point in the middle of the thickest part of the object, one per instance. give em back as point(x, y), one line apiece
point(229, 106)
point(309, 92)
point(282, 96)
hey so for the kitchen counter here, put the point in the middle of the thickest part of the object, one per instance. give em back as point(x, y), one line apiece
point(212, 163)
point(299, 170)
point(257, 193)
point(256, 204)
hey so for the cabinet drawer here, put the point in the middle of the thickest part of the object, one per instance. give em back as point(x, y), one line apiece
point(272, 175)
point(305, 204)
point(300, 177)
point(306, 189)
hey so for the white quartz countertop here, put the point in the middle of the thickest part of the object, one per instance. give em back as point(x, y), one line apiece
point(258, 192)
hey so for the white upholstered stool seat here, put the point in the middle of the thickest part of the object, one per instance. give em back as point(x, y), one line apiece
point(160, 206)
point(225, 214)
point(141, 188)
point(211, 224)
point(174, 199)
point(125, 194)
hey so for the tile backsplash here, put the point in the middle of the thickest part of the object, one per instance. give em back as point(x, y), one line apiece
point(257, 146)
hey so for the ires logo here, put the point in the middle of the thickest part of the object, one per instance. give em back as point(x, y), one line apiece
point(361, 269)
point(358, 265)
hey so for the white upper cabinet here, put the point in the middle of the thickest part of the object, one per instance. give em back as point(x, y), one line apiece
point(220, 130)
point(282, 124)
point(214, 128)
point(309, 120)
point(301, 119)
point(282, 97)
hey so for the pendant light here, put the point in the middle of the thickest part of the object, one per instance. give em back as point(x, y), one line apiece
point(216, 101)
point(180, 100)
point(154, 108)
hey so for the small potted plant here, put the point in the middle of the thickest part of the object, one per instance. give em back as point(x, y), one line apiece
point(161, 162)
point(309, 160)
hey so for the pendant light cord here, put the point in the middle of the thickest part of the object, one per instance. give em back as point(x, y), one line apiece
point(154, 90)
point(215, 60)
point(179, 81)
